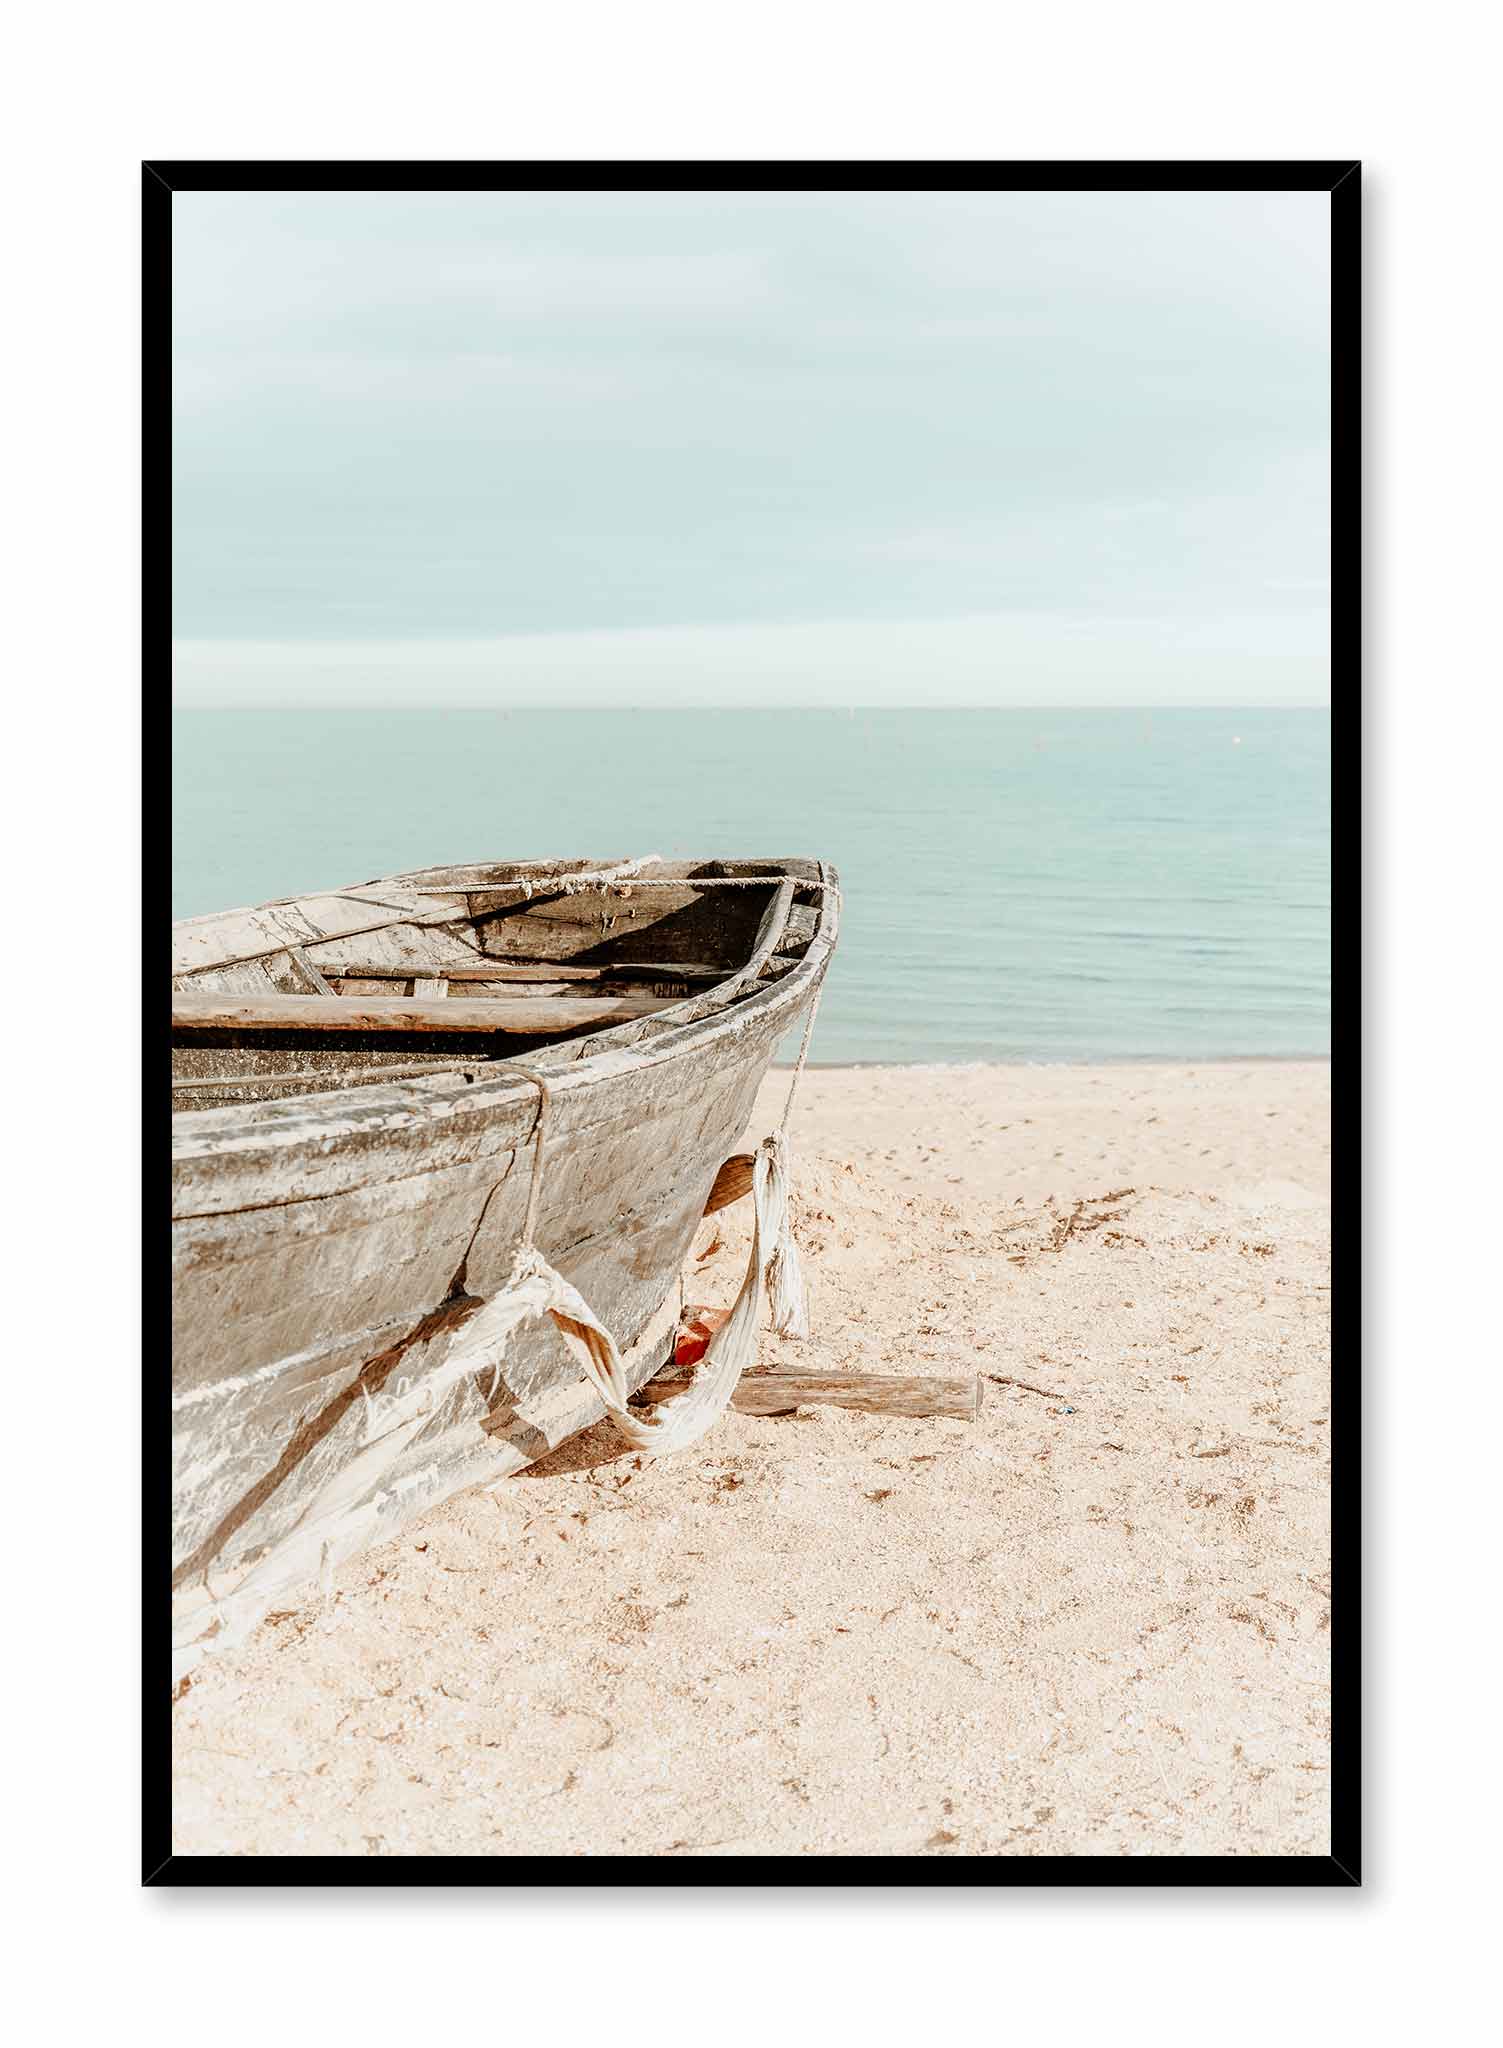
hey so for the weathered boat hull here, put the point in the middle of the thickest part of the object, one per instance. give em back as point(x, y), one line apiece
point(327, 1246)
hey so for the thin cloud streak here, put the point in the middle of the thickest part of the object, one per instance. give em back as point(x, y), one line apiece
point(1011, 660)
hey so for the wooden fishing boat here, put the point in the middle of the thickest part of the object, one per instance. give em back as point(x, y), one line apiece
point(358, 1082)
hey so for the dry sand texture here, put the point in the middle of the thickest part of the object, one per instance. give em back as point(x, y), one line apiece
point(1094, 1622)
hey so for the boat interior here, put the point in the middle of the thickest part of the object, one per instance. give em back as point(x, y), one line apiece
point(460, 966)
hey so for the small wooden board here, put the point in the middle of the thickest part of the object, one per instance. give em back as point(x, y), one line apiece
point(531, 1016)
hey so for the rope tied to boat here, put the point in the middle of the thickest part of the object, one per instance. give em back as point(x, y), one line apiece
point(535, 1288)
point(772, 1269)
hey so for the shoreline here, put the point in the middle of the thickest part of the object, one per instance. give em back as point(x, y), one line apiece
point(1125, 1059)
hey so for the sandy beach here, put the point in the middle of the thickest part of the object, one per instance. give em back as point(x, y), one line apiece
point(1094, 1621)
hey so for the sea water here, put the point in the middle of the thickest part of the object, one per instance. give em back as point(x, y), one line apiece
point(1019, 885)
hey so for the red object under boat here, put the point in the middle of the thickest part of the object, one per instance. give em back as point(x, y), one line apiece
point(696, 1328)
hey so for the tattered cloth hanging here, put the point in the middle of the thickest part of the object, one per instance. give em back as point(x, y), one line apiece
point(771, 1267)
point(342, 1515)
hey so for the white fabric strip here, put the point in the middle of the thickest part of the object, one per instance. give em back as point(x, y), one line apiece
point(343, 1512)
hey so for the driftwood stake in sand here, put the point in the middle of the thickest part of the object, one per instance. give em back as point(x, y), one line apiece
point(778, 1393)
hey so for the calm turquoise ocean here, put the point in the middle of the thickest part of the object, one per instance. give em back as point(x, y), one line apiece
point(1027, 885)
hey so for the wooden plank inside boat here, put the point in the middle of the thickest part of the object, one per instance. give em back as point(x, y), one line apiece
point(537, 970)
point(527, 1015)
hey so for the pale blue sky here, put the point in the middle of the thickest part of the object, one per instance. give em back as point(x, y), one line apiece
point(718, 447)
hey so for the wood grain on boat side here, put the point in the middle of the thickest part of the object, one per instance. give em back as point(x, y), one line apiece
point(231, 937)
point(513, 1435)
point(269, 1321)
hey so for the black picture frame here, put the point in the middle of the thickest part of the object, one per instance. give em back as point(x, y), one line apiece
point(1341, 178)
